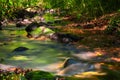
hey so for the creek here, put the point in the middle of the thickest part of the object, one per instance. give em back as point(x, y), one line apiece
point(41, 55)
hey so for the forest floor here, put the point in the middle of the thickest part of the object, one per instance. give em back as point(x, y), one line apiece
point(95, 37)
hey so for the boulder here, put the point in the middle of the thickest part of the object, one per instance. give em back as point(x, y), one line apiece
point(77, 68)
point(38, 29)
point(69, 62)
point(65, 37)
point(72, 67)
point(31, 27)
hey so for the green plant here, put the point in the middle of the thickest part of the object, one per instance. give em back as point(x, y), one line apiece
point(11, 76)
point(7, 7)
point(114, 26)
point(48, 17)
point(87, 8)
point(38, 75)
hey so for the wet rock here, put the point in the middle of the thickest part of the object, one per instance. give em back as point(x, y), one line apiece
point(76, 69)
point(72, 66)
point(38, 29)
point(87, 55)
point(22, 13)
point(19, 24)
point(20, 49)
point(31, 27)
point(69, 62)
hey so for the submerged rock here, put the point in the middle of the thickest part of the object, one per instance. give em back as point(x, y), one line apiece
point(20, 49)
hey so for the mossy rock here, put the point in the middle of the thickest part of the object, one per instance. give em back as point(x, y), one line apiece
point(39, 75)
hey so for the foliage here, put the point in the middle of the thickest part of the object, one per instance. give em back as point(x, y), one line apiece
point(33, 75)
point(7, 7)
point(114, 26)
point(11, 76)
point(111, 75)
point(37, 75)
point(78, 8)
point(48, 17)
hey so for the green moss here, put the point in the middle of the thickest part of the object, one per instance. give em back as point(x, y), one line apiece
point(49, 17)
point(37, 75)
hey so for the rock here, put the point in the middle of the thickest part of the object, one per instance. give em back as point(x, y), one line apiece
point(65, 38)
point(31, 27)
point(85, 55)
point(20, 24)
point(76, 69)
point(38, 29)
point(72, 67)
point(69, 62)
point(20, 49)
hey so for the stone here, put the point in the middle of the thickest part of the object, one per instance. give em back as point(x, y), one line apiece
point(38, 29)
point(31, 27)
point(69, 62)
point(19, 24)
point(65, 38)
point(76, 69)
point(20, 49)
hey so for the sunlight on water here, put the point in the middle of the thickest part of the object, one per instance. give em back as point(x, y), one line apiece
point(44, 55)
point(38, 55)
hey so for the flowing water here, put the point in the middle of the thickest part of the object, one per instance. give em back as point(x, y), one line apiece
point(41, 55)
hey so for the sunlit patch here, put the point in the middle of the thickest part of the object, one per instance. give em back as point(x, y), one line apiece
point(90, 74)
point(116, 59)
point(54, 67)
point(98, 54)
point(85, 55)
point(19, 58)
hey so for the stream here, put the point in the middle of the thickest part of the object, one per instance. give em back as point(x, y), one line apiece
point(41, 55)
